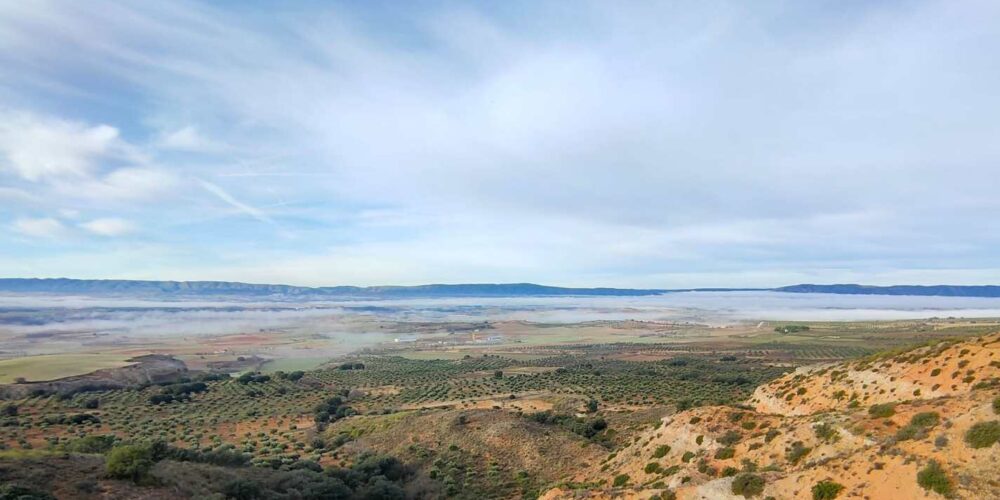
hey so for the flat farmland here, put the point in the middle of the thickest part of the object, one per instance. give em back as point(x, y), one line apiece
point(56, 366)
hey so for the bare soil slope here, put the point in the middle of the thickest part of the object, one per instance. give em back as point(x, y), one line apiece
point(870, 426)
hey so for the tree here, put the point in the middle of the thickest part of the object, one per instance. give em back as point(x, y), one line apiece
point(592, 406)
point(242, 489)
point(130, 462)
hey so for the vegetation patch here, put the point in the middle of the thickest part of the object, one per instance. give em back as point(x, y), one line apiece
point(983, 434)
point(885, 410)
point(826, 490)
point(748, 485)
point(933, 478)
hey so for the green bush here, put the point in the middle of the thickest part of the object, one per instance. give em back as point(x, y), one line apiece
point(826, 432)
point(661, 451)
point(91, 444)
point(748, 485)
point(934, 478)
point(15, 492)
point(925, 419)
point(826, 490)
point(620, 480)
point(725, 453)
point(771, 434)
point(883, 410)
point(996, 406)
point(983, 434)
point(652, 468)
point(130, 462)
point(730, 438)
point(242, 489)
point(797, 452)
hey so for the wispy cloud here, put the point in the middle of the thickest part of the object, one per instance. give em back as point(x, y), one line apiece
point(233, 202)
point(41, 227)
point(593, 143)
point(109, 226)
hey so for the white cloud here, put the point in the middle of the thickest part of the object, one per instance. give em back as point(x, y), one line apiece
point(135, 183)
point(38, 148)
point(43, 227)
point(110, 226)
point(623, 142)
point(188, 139)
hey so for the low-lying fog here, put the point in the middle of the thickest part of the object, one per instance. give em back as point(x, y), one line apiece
point(35, 314)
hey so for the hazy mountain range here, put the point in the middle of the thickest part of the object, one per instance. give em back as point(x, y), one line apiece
point(153, 288)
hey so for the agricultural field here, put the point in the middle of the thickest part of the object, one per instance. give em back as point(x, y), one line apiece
point(55, 366)
point(471, 417)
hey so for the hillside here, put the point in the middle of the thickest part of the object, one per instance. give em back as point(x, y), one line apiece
point(932, 290)
point(871, 426)
point(137, 287)
point(237, 289)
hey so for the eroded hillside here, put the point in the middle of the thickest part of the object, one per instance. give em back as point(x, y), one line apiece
point(922, 423)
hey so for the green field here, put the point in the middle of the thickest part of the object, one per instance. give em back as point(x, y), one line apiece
point(293, 364)
point(55, 366)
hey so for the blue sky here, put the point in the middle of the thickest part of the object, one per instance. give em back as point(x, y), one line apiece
point(660, 144)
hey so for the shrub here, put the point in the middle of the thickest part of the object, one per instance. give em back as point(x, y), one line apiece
point(996, 405)
point(797, 452)
point(242, 489)
point(826, 432)
point(941, 441)
point(911, 432)
point(748, 485)
point(15, 492)
point(91, 444)
point(771, 434)
point(729, 471)
point(687, 456)
point(130, 462)
point(652, 468)
point(925, 419)
point(661, 451)
point(934, 478)
point(883, 410)
point(620, 480)
point(725, 453)
point(983, 434)
point(826, 490)
point(919, 426)
point(730, 438)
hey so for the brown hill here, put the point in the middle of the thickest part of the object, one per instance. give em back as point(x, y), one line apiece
point(871, 426)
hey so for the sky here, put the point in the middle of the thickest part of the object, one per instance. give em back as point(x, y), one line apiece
point(583, 143)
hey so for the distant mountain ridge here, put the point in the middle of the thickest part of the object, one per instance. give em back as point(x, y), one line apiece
point(924, 290)
point(75, 286)
point(231, 288)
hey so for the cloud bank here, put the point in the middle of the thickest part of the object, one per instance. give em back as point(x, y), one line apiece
point(591, 143)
